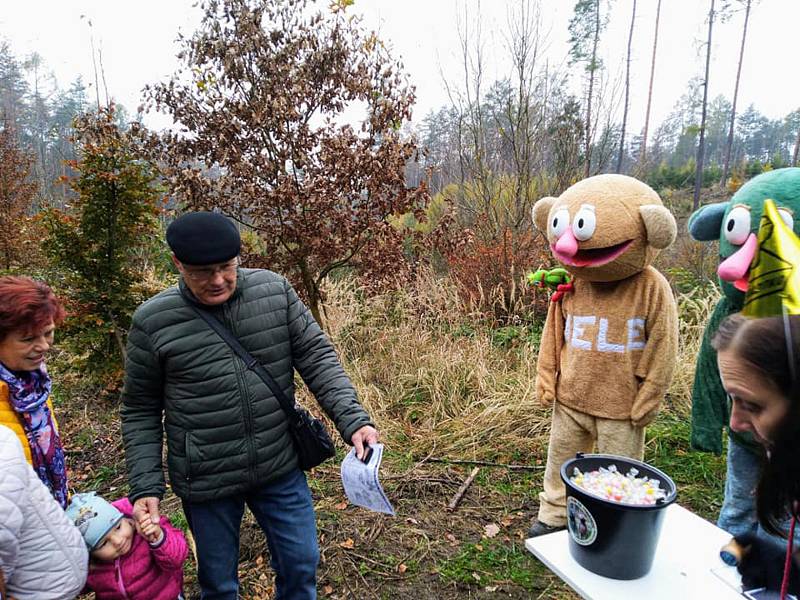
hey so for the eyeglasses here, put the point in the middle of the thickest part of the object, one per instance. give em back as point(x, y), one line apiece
point(208, 273)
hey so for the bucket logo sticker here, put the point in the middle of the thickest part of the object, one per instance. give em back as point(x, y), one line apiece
point(580, 522)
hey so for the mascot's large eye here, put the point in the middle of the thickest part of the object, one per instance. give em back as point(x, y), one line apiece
point(787, 217)
point(584, 223)
point(559, 221)
point(737, 225)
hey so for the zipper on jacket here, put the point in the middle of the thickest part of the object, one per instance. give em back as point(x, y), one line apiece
point(118, 576)
point(187, 442)
point(246, 408)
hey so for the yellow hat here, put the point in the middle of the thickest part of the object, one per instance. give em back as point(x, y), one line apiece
point(774, 282)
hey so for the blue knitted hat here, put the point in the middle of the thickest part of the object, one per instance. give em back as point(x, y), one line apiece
point(93, 516)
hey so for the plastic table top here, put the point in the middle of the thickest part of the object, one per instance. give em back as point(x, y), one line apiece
point(686, 564)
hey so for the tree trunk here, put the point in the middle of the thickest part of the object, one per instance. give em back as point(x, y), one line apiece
point(592, 69)
point(627, 92)
point(643, 154)
point(735, 95)
point(312, 288)
point(120, 342)
point(698, 176)
point(314, 305)
point(796, 149)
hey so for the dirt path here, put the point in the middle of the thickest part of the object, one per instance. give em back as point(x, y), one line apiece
point(425, 552)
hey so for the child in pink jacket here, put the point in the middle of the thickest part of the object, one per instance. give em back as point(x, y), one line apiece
point(126, 565)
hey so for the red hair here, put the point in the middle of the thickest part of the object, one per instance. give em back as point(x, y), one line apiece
point(27, 305)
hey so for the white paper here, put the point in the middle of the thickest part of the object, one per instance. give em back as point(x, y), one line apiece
point(361, 483)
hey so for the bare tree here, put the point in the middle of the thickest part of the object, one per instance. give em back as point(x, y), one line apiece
point(698, 177)
point(609, 91)
point(729, 145)
point(643, 154)
point(627, 91)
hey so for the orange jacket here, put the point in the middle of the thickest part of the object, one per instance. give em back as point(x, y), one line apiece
point(10, 419)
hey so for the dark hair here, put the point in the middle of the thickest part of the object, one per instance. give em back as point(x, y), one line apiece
point(763, 344)
point(27, 305)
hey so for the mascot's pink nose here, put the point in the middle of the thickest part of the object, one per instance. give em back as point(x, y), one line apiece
point(736, 265)
point(567, 244)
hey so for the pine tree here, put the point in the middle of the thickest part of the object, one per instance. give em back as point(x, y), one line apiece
point(95, 243)
point(585, 27)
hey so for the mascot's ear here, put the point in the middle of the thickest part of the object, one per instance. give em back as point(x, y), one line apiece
point(540, 212)
point(705, 222)
point(660, 225)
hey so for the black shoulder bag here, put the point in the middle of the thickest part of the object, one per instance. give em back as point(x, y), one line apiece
point(311, 440)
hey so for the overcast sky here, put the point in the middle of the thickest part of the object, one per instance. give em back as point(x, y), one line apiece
point(137, 40)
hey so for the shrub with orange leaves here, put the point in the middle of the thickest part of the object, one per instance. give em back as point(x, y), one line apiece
point(490, 274)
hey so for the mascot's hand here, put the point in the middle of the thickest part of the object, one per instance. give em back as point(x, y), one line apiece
point(646, 419)
point(557, 279)
point(545, 399)
point(564, 288)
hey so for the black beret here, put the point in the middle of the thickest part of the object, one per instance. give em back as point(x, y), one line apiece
point(203, 238)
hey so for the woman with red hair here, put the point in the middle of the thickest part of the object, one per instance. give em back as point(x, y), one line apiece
point(29, 313)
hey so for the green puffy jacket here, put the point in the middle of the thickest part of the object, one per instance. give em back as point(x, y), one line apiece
point(226, 432)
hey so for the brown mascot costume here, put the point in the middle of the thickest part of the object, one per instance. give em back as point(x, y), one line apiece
point(609, 344)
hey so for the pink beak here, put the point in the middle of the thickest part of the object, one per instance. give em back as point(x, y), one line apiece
point(735, 268)
point(567, 244)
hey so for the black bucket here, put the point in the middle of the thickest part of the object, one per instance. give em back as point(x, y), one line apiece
point(614, 539)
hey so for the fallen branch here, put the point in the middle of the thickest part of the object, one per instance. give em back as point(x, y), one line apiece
point(460, 493)
point(483, 463)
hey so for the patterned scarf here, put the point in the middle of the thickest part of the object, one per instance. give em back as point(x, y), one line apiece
point(29, 391)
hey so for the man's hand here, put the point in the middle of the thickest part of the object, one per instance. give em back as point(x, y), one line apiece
point(145, 511)
point(366, 435)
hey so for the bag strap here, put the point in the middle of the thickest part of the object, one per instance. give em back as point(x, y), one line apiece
point(249, 360)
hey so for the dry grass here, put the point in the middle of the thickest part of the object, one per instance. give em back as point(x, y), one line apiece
point(694, 309)
point(437, 382)
point(432, 376)
point(440, 382)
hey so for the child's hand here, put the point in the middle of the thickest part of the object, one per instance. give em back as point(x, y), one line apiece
point(152, 532)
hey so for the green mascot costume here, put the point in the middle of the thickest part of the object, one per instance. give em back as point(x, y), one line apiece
point(735, 224)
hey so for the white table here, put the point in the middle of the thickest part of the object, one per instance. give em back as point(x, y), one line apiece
point(686, 564)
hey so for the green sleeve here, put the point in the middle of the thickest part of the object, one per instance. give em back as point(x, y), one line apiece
point(315, 359)
point(141, 415)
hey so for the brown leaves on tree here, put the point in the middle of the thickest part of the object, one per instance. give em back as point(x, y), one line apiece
point(263, 103)
point(17, 193)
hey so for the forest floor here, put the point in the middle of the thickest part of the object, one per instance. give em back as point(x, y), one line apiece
point(444, 388)
point(426, 551)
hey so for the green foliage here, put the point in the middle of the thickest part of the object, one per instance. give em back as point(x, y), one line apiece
point(511, 336)
point(99, 247)
point(700, 476)
point(495, 562)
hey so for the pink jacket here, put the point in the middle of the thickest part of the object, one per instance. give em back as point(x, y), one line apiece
point(144, 573)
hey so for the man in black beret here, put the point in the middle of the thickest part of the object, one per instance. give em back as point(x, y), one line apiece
point(227, 439)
